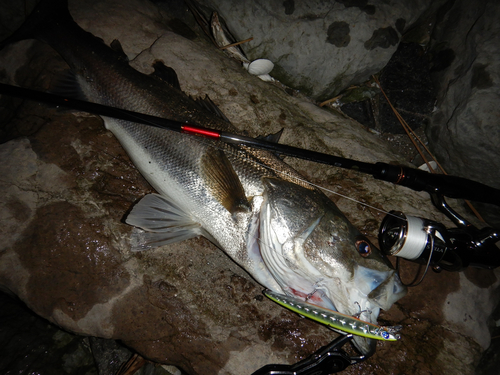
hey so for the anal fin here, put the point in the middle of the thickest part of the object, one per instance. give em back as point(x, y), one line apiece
point(162, 221)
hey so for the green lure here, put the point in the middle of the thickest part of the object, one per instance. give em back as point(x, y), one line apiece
point(339, 322)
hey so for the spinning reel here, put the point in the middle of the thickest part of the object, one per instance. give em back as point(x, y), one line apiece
point(428, 242)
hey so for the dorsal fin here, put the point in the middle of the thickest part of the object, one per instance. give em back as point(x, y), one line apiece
point(207, 104)
point(168, 75)
point(275, 139)
point(165, 74)
point(223, 182)
point(272, 137)
point(117, 47)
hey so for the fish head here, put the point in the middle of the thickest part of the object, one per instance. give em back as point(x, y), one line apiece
point(316, 254)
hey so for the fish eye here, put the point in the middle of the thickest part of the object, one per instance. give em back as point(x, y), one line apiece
point(364, 247)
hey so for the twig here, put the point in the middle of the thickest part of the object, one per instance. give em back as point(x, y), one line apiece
point(237, 43)
point(132, 365)
point(413, 136)
point(330, 100)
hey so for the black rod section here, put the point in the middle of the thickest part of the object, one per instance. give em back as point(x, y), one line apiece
point(450, 186)
point(300, 153)
point(94, 108)
point(416, 179)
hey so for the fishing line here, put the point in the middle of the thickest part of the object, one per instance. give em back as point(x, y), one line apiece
point(415, 282)
point(334, 298)
point(106, 111)
point(446, 185)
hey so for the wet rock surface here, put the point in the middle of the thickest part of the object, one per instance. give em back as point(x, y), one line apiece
point(67, 184)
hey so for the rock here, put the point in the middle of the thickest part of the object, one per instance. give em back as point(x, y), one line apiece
point(491, 357)
point(109, 356)
point(319, 47)
point(30, 344)
point(66, 185)
point(464, 132)
point(406, 82)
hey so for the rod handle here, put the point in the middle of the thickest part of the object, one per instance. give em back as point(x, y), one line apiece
point(447, 185)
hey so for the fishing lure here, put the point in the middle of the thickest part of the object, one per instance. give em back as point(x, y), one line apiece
point(339, 322)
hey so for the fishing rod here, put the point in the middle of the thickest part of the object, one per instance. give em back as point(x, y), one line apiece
point(447, 185)
point(417, 239)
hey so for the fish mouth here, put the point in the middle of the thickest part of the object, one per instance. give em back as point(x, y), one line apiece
point(379, 289)
point(361, 294)
point(378, 292)
point(357, 304)
point(362, 297)
point(390, 291)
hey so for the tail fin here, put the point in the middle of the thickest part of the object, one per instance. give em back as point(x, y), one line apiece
point(44, 17)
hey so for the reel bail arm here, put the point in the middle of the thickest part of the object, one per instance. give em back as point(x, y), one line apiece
point(427, 242)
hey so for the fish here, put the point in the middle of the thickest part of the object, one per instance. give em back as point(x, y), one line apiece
point(287, 234)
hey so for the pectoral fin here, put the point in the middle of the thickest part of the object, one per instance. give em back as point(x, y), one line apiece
point(162, 221)
point(66, 84)
point(223, 182)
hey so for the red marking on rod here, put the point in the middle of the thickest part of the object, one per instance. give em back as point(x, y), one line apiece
point(200, 131)
point(401, 176)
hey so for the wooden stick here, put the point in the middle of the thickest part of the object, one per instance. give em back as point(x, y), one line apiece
point(330, 100)
point(410, 133)
point(132, 365)
point(237, 43)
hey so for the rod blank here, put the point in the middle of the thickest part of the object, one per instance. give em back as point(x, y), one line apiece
point(450, 186)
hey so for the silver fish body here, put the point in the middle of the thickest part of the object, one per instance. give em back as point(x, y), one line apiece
point(288, 235)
